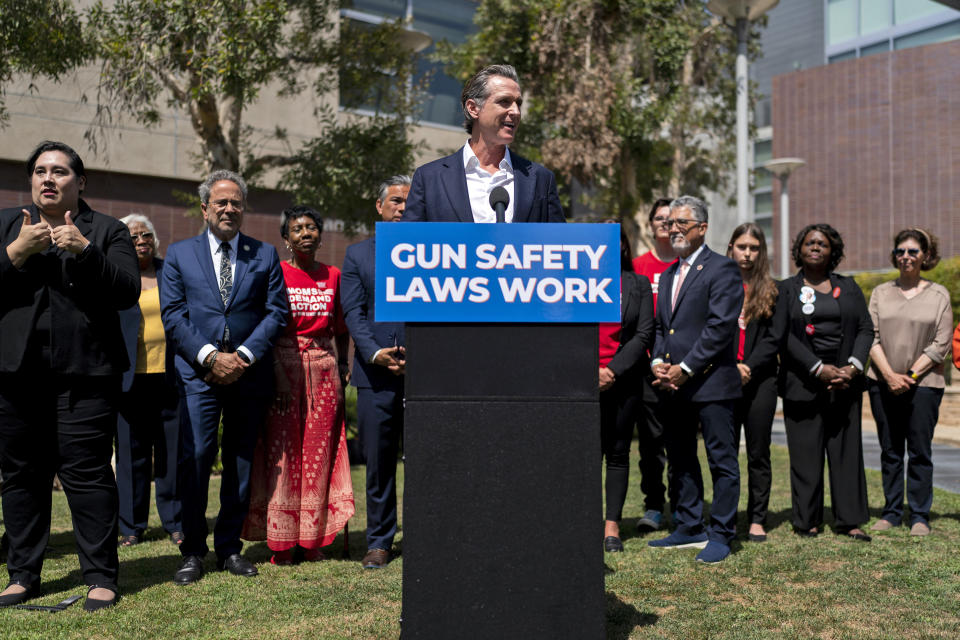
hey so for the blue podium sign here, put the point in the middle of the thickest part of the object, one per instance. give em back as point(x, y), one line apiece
point(467, 272)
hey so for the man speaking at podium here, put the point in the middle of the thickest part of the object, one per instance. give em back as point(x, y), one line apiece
point(464, 186)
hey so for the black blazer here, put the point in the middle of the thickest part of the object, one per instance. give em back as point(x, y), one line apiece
point(760, 346)
point(636, 327)
point(85, 293)
point(797, 357)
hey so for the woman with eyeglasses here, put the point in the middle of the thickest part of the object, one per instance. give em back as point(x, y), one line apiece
point(148, 425)
point(912, 320)
point(301, 495)
point(826, 336)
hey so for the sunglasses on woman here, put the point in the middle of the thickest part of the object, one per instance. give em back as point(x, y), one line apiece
point(912, 252)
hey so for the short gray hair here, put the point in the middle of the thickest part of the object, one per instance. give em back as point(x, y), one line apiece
point(392, 181)
point(697, 206)
point(145, 221)
point(477, 90)
point(217, 176)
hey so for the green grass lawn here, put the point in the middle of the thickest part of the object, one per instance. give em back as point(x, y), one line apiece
point(828, 587)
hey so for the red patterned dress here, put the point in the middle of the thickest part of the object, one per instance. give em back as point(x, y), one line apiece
point(300, 488)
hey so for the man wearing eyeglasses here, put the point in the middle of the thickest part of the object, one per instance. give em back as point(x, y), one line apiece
point(223, 303)
point(694, 365)
point(653, 457)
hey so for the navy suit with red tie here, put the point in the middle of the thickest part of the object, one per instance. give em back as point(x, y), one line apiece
point(700, 331)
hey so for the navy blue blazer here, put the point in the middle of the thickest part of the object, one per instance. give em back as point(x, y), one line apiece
point(357, 296)
point(194, 314)
point(130, 328)
point(439, 192)
point(702, 330)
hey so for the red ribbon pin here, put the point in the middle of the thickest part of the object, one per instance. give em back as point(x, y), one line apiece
point(836, 292)
point(810, 330)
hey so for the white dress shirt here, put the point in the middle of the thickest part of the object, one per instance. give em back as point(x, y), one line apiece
point(676, 277)
point(480, 183)
point(215, 250)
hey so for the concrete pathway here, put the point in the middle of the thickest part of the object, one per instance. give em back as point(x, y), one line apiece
point(946, 457)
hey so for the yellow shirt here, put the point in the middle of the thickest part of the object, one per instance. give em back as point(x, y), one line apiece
point(151, 341)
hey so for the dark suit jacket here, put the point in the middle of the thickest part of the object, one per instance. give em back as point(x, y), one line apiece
point(358, 298)
point(194, 315)
point(797, 356)
point(760, 347)
point(702, 330)
point(439, 192)
point(130, 328)
point(636, 327)
point(85, 293)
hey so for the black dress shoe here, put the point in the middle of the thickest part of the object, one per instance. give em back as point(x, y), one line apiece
point(612, 544)
point(859, 536)
point(92, 604)
point(191, 570)
point(804, 533)
point(237, 565)
point(32, 591)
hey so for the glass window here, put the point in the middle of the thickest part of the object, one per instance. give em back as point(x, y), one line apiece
point(949, 31)
point(763, 205)
point(880, 47)
point(392, 8)
point(907, 10)
point(450, 20)
point(766, 225)
point(874, 16)
point(840, 57)
point(841, 20)
point(762, 152)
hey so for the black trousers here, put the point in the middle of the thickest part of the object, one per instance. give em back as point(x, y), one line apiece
point(906, 418)
point(61, 425)
point(148, 433)
point(653, 455)
point(618, 413)
point(380, 418)
point(754, 413)
point(828, 424)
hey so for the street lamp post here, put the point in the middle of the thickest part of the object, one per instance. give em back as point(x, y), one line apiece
point(782, 167)
point(742, 12)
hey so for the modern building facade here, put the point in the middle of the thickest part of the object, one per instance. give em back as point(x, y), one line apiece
point(154, 171)
point(863, 91)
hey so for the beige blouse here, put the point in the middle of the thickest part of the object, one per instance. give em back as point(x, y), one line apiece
point(906, 328)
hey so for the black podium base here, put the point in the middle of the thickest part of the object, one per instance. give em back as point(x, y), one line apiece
point(502, 505)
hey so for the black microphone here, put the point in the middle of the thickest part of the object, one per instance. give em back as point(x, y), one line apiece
point(499, 199)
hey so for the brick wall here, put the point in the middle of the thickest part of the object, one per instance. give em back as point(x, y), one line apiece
point(119, 194)
point(881, 138)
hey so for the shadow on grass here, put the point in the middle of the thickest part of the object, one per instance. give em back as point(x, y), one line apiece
point(623, 618)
